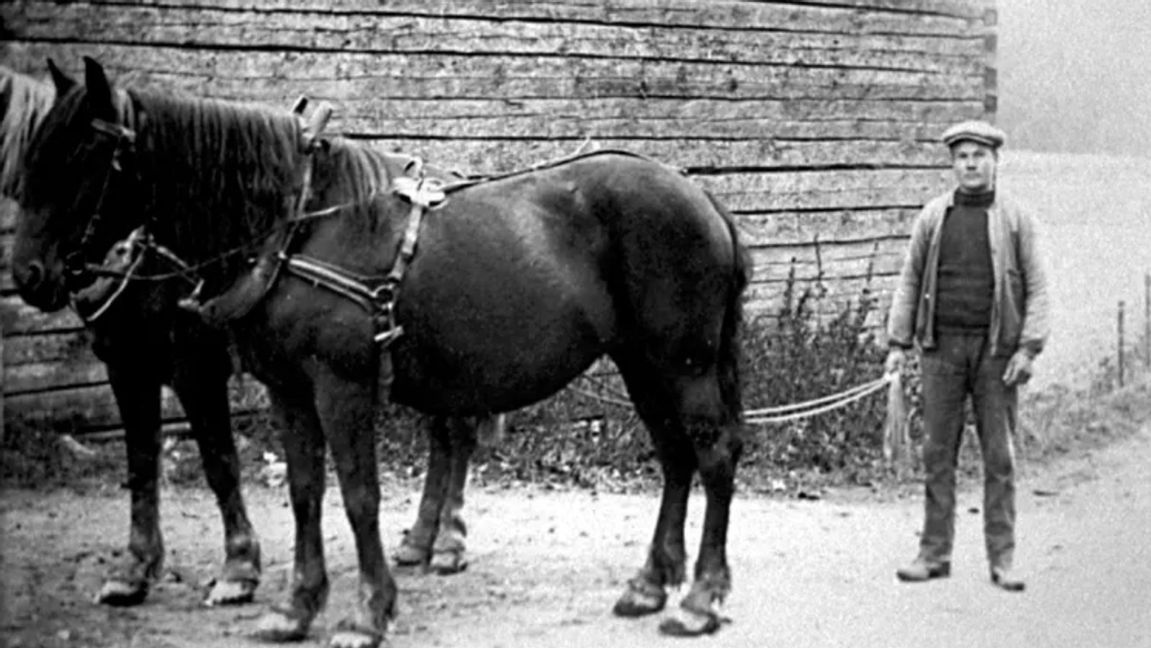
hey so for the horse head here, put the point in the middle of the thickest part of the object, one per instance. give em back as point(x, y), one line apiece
point(75, 195)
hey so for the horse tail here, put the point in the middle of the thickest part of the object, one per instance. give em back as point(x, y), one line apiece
point(729, 352)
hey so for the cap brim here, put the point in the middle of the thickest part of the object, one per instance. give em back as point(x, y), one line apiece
point(973, 137)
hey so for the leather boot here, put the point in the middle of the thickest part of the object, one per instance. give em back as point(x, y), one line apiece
point(923, 570)
point(1004, 579)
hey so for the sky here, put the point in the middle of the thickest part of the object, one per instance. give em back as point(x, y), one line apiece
point(1075, 75)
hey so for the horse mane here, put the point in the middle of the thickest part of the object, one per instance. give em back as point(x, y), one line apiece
point(24, 101)
point(354, 175)
point(353, 170)
point(215, 175)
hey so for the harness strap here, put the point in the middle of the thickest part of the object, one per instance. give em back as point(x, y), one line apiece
point(340, 281)
point(126, 256)
point(376, 295)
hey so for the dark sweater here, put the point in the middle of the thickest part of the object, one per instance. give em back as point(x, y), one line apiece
point(966, 282)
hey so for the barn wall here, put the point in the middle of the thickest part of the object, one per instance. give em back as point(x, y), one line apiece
point(815, 122)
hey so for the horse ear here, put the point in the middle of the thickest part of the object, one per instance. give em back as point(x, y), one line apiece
point(99, 89)
point(61, 80)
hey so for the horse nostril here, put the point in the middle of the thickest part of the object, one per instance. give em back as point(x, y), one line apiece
point(33, 274)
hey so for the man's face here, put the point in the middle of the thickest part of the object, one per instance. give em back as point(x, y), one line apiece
point(974, 166)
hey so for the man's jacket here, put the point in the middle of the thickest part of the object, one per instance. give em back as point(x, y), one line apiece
point(1019, 309)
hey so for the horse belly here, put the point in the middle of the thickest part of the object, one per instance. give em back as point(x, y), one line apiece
point(500, 354)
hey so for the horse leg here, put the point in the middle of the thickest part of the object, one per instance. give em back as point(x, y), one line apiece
point(138, 397)
point(717, 446)
point(416, 546)
point(667, 558)
point(203, 390)
point(347, 409)
point(303, 443)
point(451, 537)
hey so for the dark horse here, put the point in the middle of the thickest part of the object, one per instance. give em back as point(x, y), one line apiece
point(146, 342)
point(519, 284)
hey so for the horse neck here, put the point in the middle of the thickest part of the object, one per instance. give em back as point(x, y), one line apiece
point(215, 178)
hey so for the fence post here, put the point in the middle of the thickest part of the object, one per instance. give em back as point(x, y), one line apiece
point(1147, 321)
point(1120, 344)
point(3, 382)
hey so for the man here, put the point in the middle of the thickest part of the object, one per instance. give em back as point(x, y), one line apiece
point(972, 296)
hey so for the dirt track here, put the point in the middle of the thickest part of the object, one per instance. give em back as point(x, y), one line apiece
point(547, 566)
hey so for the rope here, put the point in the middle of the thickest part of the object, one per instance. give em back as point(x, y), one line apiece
point(778, 413)
point(842, 400)
point(782, 409)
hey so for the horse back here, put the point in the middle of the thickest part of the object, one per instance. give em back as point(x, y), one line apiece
point(521, 283)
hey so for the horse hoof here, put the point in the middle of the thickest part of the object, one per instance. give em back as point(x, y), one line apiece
point(354, 639)
point(231, 592)
point(350, 634)
point(122, 593)
point(410, 556)
point(640, 599)
point(446, 563)
point(690, 623)
point(278, 626)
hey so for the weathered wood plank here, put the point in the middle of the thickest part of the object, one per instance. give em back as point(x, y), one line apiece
point(791, 228)
point(79, 407)
point(767, 297)
point(635, 118)
point(825, 190)
point(696, 156)
point(192, 26)
point(92, 406)
point(48, 374)
point(831, 262)
point(62, 346)
point(279, 77)
point(922, 16)
point(18, 318)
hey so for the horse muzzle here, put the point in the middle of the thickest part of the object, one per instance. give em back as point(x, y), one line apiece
point(39, 287)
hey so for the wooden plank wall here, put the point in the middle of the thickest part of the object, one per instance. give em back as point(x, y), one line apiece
point(814, 121)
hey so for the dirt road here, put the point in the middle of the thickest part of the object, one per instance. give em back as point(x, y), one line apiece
point(547, 566)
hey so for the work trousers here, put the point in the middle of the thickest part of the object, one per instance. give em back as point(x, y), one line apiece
point(958, 367)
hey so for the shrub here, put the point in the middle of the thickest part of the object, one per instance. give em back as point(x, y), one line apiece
point(794, 357)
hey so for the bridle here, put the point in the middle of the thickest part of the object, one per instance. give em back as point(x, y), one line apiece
point(132, 250)
point(76, 265)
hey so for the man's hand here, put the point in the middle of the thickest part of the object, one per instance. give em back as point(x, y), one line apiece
point(896, 359)
point(1018, 369)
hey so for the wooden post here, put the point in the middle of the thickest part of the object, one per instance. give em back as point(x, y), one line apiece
point(1147, 321)
point(1120, 344)
point(3, 383)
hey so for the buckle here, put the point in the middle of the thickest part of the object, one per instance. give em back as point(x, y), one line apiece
point(385, 338)
point(424, 192)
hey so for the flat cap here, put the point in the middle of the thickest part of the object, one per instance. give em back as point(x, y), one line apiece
point(975, 131)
